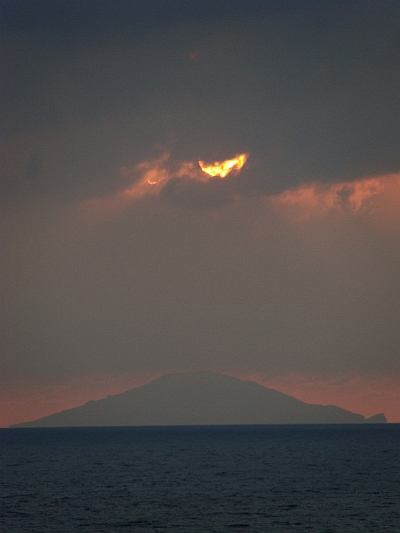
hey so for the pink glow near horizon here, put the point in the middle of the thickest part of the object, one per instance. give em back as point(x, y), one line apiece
point(365, 396)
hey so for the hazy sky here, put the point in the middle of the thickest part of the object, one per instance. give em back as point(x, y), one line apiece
point(121, 260)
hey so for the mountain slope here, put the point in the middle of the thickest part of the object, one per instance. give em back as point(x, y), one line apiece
point(197, 398)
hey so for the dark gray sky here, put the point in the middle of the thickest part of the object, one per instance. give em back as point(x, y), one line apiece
point(287, 268)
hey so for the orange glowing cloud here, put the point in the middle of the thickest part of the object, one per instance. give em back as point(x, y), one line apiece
point(373, 196)
point(151, 175)
point(222, 168)
point(148, 178)
point(377, 195)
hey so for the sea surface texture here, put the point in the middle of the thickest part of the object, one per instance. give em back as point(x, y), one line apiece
point(323, 479)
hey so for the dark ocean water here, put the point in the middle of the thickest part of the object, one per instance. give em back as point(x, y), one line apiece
point(324, 479)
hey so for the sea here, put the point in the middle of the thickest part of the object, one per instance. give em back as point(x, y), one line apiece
point(264, 479)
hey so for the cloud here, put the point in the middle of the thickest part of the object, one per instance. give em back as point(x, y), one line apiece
point(180, 183)
point(368, 196)
point(184, 184)
point(245, 285)
point(317, 101)
point(191, 193)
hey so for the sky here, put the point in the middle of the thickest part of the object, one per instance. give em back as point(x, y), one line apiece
point(122, 260)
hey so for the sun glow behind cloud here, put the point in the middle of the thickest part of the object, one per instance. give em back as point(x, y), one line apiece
point(149, 178)
point(222, 168)
point(377, 196)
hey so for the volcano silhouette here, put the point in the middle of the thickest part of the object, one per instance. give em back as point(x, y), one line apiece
point(199, 398)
